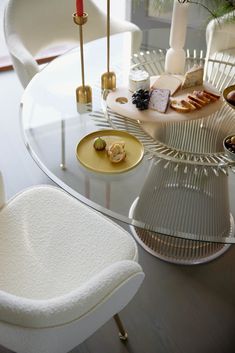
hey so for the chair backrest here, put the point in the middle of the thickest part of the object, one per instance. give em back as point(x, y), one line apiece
point(40, 23)
point(32, 25)
point(220, 34)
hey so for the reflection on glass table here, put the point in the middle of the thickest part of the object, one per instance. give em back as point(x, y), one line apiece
point(176, 200)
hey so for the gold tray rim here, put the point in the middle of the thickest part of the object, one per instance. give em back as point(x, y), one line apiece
point(226, 92)
point(110, 132)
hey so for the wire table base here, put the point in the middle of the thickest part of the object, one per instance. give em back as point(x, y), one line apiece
point(178, 250)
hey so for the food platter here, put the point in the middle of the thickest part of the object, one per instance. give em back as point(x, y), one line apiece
point(120, 101)
point(195, 141)
point(98, 161)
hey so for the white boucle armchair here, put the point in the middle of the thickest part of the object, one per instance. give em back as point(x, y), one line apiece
point(65, 271)
point(32, 25)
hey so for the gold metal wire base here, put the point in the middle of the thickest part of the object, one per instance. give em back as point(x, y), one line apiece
point(122, 332)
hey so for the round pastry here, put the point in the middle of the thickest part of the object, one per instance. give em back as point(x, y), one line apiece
point(116, 152)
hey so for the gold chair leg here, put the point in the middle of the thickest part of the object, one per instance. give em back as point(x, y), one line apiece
point(122, 332)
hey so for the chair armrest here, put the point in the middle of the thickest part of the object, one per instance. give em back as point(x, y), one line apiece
point(24, 63)
point(76, 304)
point(220, 34)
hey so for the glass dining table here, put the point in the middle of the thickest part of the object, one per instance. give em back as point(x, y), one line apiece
point(177, 199)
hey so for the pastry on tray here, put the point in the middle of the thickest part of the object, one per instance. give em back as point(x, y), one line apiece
point(116, 152)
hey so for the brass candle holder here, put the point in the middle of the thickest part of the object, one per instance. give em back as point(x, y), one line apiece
point(108, 79)
point(83, 93)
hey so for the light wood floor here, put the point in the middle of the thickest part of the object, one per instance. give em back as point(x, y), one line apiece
point(177, 310)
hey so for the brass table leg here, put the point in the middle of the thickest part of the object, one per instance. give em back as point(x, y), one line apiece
point(122, 332)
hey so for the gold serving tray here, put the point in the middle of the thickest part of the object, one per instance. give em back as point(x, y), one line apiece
point(98, 161)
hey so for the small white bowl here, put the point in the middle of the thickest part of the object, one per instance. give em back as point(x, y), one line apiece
point(229, 154)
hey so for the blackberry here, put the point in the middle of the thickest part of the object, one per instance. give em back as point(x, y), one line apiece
point(141, 99)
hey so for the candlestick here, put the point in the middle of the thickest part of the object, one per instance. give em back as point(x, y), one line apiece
point(108, 79)
point(79, 7)
point(175, 56)
point(83, 93)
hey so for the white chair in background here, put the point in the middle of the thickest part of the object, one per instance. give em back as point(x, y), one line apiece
point(31, 26)
point(65, 271)
point(220, 37)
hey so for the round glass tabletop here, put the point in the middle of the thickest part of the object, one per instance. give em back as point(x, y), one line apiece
point(179, 188)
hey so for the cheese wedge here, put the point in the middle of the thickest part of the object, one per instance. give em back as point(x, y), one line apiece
point(159, 100)
point(193, 77)
point(167, 82)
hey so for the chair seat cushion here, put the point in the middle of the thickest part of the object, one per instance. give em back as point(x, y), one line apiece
point(51, 244)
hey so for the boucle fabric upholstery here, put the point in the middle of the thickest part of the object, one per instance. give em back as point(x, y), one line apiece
point(63, 338)
point(65, 309)
point(58, 258)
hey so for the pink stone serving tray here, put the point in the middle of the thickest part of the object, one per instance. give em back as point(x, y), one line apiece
point(130, 111)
